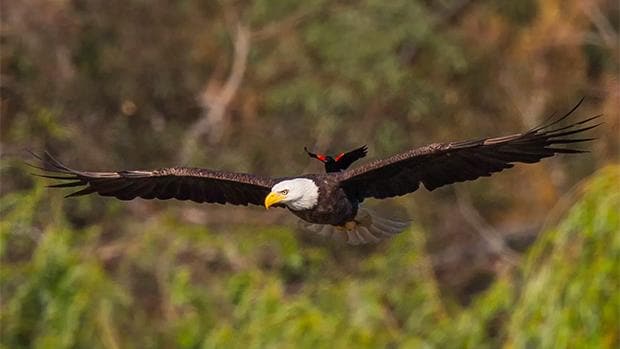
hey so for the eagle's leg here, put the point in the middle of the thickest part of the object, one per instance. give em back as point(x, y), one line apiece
point(368, 227)
point(347, 231)
point(348, 226)
point(351, 225)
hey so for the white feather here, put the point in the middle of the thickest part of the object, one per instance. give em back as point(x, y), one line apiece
point(303, 193)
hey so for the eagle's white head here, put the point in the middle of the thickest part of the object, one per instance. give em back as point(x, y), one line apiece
point(297, 194)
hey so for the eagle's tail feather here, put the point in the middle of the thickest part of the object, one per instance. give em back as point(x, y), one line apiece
point(367, 227)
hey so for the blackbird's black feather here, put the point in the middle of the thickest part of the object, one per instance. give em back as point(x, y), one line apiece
point(340, 162)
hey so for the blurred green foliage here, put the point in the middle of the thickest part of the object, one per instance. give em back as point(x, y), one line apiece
point(180, 285)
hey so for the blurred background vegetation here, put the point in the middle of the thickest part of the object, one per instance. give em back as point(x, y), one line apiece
point(529, 258)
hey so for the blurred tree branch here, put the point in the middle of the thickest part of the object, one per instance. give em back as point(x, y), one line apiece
point(486, 231)
point(274, 29)
point(605, 29)
point(214, 101)
point(215, 98)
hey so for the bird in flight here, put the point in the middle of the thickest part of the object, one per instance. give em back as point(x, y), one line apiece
point(329, 203)
point(341, 161)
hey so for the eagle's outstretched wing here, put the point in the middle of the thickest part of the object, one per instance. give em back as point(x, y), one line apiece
point(182, 183)
point(436, 165)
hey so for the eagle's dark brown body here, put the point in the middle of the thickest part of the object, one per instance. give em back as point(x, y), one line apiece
point(334, 206)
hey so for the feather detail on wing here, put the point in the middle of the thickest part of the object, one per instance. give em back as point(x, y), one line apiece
point(182, 183)
point(436, 165)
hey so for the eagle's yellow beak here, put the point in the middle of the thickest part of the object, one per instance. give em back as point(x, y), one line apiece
point(273, 198)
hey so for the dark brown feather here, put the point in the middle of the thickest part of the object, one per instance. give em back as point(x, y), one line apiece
point(436, 165)
point(182, 183)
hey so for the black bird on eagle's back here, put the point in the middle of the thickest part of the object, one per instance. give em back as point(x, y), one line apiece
point(341, 161)
point(329, 203)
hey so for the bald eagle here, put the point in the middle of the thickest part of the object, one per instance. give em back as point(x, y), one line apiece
point(329, 203)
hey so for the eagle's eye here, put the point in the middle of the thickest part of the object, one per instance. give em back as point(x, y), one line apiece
point(284, 192)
